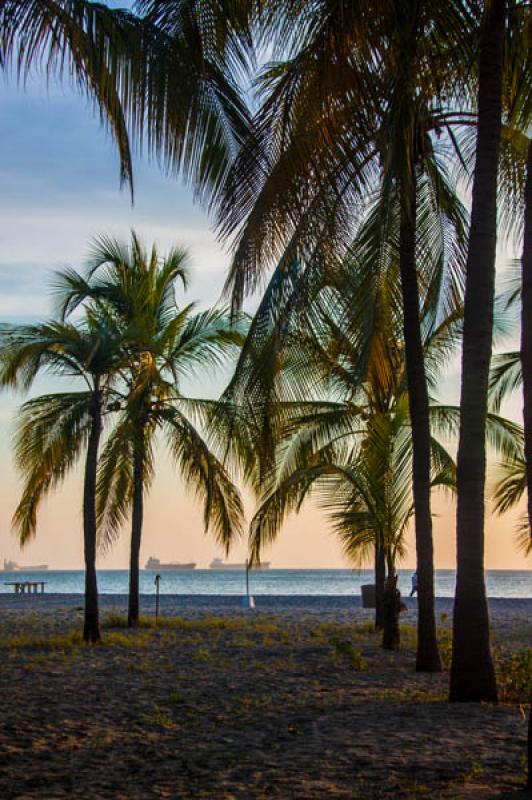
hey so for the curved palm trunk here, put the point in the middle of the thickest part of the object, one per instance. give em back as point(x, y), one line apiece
point(91, 627)
point(526, 331)
point(472, 672)
point(380, 578)
point(428, 657)
point(136, 528)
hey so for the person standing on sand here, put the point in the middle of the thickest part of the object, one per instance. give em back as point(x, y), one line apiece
point(414, 584)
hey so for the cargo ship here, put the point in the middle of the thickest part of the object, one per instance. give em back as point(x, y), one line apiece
point(219, 563)
point(12, 566)
point(155, 563)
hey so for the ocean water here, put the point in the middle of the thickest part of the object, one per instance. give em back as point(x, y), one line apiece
point(500, 583)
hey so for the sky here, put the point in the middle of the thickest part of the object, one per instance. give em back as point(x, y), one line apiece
point(59, 187)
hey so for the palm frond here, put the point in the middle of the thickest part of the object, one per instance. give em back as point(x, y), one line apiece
point(86, 43)
point(51, 434)
point(114, 489)
point(506, 376)
point(206, 476)
point(286, 497)
point(510, 484)
point(502, 435)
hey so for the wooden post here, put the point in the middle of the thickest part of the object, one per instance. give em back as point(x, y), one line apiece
point(157, 582)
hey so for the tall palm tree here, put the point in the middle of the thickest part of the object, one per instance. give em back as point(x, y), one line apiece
point(165, 345)
point(360, 106)
point(526, 332)
point(54, 429)
point(472, 671)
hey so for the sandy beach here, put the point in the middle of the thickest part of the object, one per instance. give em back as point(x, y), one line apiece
point(293, 700)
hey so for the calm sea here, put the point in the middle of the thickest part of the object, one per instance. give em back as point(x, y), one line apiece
point(500, 583)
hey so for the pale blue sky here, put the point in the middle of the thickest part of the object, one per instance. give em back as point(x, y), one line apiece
point(59, 180)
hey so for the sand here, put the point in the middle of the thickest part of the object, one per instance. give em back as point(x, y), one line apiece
point(294, 700)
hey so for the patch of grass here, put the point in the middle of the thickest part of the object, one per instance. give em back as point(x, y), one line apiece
point(474, 772)
point(51, 642)
point(159, 717)
point(445, 643)
point(367, 627)
point(267, 627)
point(408, 636)
point(243, 642)
point(325, 630)
point(514, 674)
point(130, 639)
point(115, 620)
point(203, 655)
point(345, 649)
point(256, 702)
point(411, 695)
point(208, 623)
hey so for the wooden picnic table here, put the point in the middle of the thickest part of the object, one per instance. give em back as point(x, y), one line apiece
point(21, 587)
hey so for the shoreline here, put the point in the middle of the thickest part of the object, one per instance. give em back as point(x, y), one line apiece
point(504, 612)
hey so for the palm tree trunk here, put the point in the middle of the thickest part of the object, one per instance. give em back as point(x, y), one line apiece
point(529, 752)
point(91, 627)
point(526, 364)
point(392, 609)
point(428, 656)
point(526, 331)
point(380, 577)
point(136, 527)
point(472, 672)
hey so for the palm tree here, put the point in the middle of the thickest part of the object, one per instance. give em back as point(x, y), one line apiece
point(526, 332)
point(323, 347)
point(504, 63)
point(165, 345)
point(359, 107)
point(365, 487)
point(353, 447)
point(54, 429)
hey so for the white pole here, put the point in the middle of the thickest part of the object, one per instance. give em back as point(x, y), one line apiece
point(248, 601)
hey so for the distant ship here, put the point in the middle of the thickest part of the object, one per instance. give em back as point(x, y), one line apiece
point(12, 566)
point(155, 563)
point(219, 563)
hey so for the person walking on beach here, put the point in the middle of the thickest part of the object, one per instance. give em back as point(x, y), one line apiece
point(414, 584)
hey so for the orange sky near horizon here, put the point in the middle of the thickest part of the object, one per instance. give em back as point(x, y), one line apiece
point(173, 531)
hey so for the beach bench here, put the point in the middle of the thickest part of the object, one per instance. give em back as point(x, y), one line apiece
point(23, 587)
